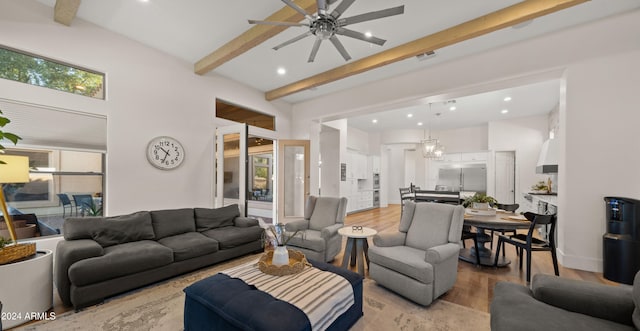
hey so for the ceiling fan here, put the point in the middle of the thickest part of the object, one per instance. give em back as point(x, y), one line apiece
point(326, 25)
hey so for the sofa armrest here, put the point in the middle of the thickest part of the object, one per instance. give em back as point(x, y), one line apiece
point(245, 222)
point(388, 239)
point(608, 302)
point(331, 230)
point(297, 225)
point(69, 252)
point(437, 254)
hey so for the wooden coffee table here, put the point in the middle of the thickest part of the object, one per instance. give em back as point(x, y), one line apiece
point(357, 248)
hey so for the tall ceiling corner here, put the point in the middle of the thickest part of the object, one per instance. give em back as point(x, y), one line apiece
point(65, 11)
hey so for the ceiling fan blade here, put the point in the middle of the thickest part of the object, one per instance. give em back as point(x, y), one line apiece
point(371, 15)
point(360, 35)
point(340, 48)
point(322, 6)
point(314, 50)
point(342, 7)
point(297, 8)
point(277, 23)
point(291, 41)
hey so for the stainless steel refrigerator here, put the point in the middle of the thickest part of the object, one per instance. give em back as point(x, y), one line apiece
point(471, 177)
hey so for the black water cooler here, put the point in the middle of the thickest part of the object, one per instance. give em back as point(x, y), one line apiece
point(621, 243)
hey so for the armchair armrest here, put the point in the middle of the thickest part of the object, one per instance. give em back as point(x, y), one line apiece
point(437, 254)
point(331, 230)
point(389, 239)
point(297, 225)
point(598, 300)
point(69, 252)
point(245, 222)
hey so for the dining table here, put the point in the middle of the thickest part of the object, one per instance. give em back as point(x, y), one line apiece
point(501, 220)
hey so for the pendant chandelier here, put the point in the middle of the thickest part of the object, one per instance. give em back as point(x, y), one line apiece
point(431, 147)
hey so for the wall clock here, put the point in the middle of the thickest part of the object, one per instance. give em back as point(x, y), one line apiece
point(165, 153)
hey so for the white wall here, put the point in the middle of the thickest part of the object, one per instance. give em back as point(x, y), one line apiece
point(330, 181)
point(601, 152)
point(148, 94)
point(524, 136)
point(597, 100)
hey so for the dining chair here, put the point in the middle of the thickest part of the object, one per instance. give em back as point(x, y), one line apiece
point(511, 207)
point(65, 201)
point(83, 202)
point(405, 195)
point(527, 242)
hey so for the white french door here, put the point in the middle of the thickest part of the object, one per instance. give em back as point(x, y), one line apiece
point(505, 177)
point(246, 170)
point(231, 170)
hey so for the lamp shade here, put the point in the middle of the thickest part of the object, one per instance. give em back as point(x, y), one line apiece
point(15, 169)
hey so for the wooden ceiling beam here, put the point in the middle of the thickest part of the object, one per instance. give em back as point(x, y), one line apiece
point(65, 11)
point(509, 16)
point(253, 37)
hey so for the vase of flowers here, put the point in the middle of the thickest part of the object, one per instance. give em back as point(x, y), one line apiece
point(280, 239)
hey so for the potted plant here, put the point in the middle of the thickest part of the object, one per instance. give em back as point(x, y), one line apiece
point(479, 201)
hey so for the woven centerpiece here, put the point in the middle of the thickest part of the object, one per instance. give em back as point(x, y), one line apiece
point(12, 253)
point(297, 262)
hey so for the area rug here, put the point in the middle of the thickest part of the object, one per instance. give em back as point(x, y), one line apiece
point(160, 307)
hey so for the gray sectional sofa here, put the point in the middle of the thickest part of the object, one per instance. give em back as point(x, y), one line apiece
point(104, 256)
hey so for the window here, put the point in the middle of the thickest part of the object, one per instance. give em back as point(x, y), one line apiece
point(37, 70)
point(53, 172)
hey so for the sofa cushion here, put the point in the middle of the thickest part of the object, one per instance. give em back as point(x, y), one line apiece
point(309, 239)
point(120, 260)
point(405, 260)
point(189, 245)
point(75, 228)
point(172, 221)
point(513, 307)
point(208, 218)
point(122, 229)
point(232, 236)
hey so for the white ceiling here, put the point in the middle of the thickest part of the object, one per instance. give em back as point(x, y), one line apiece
point(191, 29)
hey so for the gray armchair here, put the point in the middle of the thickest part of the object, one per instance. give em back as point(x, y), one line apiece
point(554, 303)
point(318, 238)
point(420, 260)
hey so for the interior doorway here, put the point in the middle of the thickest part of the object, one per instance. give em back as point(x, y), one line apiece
point(505, 170)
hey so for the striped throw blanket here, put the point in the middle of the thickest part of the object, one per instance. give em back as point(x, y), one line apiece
point(323, 296)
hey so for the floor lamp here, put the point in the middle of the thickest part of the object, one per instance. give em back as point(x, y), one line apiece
point(15, 169)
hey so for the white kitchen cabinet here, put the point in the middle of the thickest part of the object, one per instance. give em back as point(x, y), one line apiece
point(375, 164)
point(357, 166)
point(478, 156)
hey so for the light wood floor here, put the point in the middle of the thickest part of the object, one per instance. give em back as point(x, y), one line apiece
point(474, 286)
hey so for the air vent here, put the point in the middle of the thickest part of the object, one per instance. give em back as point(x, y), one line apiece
point(427, 55)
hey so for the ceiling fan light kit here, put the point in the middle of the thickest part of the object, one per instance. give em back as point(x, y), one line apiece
point(325, 25)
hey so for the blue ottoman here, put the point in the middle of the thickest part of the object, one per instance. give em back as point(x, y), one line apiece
point(223, 303)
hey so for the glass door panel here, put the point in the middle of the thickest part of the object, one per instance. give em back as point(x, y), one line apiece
point(231, 174)
point(293, 178)
point(260, 179)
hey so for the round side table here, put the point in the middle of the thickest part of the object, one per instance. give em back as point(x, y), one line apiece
point(26, 289)
point(357, 248)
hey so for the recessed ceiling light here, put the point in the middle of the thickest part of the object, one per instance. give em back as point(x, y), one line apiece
point(409, 115)
point(143, 0)
point(282, 71)
point(368, 34)
point(419, 123)
point(504, 111)
point(374, 121)
point(507, 99)
point(452, 108)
